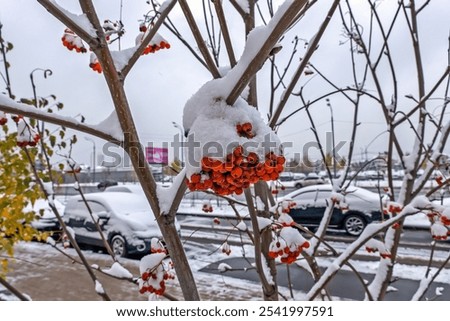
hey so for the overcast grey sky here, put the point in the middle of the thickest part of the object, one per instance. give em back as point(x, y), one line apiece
point(160, 84)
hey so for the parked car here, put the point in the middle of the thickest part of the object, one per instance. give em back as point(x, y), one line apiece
point(309, 180)
point(126, 220)
point(311, 202)
point(45, 217)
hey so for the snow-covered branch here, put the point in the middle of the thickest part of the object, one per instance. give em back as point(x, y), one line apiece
point(77, 23)
point(371, 230)
point(147, 38)
point(260, 42)
point(8, 105)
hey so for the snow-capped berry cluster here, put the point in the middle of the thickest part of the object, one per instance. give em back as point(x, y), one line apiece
point(245, 130)
point(285, 220)
point(237, 148)
point(3, 119)
point(440, 223)
point(373, 246)
point(26, 136)
point(72, 42)
point(154, 274)
point(288, 245)
point(157, 42)
point(207, 207)
point(156, 246)
point(216, 220)
point(286, 206)
point(95, 64)
point(236, 173)
point(439, 231)
point(226, 249)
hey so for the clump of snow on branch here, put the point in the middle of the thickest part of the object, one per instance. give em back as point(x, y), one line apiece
point(223, 267)
point(99, 287)
point(111, 125)
point(118, 271)
point(234, 149)
point(80, 20)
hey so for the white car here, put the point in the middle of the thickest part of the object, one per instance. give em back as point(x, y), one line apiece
point(126, 220)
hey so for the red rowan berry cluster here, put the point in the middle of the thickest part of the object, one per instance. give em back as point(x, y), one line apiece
point(72, 42)
point(288, 245)
point(154, 274)
point(373, 246)
point(440, 224)
point(156, 246)
point(95, 64)
point(245, 130)
point(207, 207)
point(236, 173)
point(26, 136)
point(157, 42)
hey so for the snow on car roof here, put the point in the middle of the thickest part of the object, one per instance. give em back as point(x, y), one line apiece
point(120, 202)
point(328, 187)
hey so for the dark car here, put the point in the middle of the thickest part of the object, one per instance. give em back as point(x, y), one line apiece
point(126, 220)
point(359, 207)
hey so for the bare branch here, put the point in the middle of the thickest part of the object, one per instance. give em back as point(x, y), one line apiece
point(311, 49)
point(199, 39)
point(225, 32)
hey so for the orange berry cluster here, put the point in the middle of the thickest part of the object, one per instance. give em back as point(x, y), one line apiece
point(384, 255)
point(152, 48)
point(71, 41)
point(154, 281)
point(207, 208)
point(26, 136)
point(236, 173)
point(245, 130)
point(439, 231)
point(445, 220)
point(287, 254)
point(29, 142)
point(95, 65)
point(287, 206)
point(216, 220)
point(157, 246)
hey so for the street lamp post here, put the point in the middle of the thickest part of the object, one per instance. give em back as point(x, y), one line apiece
point(332, 133)
point(94, 156)
point(176, 125)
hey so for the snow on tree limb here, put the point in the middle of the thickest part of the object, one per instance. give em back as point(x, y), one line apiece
point(77, 23)
point(371, 230)
point(260, 42)
point(8, 105)
point(165, 8)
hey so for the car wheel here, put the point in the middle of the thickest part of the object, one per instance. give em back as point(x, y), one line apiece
point(354, 225)
point(298, 185)
point(119, 246)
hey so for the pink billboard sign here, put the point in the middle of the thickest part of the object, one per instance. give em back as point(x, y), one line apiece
point(157, 155)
